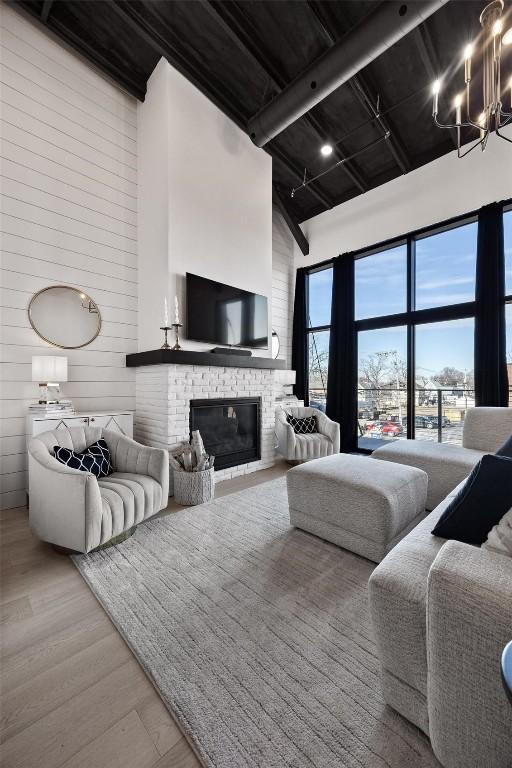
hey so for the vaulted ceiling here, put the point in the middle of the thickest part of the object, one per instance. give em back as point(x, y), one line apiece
point(241, 54)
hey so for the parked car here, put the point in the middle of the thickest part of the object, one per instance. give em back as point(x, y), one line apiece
point(391, 428)
point(426, 422)
point(318, 404)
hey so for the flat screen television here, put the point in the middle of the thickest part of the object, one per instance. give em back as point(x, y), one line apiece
point(224, 315)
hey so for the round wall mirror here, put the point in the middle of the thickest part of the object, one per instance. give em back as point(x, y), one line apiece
point(275, 345)
point(65, 317)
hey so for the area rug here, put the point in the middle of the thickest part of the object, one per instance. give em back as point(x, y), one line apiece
point(257, 637)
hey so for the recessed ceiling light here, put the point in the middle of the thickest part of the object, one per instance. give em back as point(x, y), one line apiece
point(326, 150)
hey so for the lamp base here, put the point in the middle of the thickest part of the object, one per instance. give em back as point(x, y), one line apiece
point(49, 392)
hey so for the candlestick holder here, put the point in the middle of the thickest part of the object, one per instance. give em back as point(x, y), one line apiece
point(177, 327)
point(165, 329)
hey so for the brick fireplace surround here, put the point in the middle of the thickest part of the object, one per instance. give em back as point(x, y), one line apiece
point(164, 392)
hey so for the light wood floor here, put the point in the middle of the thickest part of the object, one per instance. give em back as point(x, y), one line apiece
point(72, 693)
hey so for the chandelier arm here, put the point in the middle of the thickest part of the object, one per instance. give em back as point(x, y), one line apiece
point(475, 145)
point(450, 125)
point(502, 136)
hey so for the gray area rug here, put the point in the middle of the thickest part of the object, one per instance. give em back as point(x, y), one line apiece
point(257, 636)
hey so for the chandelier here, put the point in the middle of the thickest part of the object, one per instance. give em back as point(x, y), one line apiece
point(493, 116)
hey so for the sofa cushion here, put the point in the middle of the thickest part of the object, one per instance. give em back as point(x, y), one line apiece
point(126, 500)
point(302, 426)
point(95, 458)
point(506, 448)
point(398, 599)
point(446, 465)
point(480, 504)
point(486, 429)
point(500, 537)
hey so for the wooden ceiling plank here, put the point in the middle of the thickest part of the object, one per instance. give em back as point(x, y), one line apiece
point(430, 62)
point(239, 29)
point(161, 41)
point(360, 88)
point(131, 86)
point(46, 10)
point(297, 233)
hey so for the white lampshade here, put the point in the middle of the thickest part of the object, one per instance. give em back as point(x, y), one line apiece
point(49, 368)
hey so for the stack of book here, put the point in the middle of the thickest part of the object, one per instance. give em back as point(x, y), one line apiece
point(62, 408)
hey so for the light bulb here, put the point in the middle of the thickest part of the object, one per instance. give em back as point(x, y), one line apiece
point(326, 150)
point(497, 27)
point(436, 87)
point(457, 103)
point(507, 37)
point(468, 51)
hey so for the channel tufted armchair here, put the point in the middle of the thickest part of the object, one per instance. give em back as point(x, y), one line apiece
point(295, 447)
point(75, 510)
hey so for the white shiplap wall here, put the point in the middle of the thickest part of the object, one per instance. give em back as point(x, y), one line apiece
point(68, 176)
point(283, 284)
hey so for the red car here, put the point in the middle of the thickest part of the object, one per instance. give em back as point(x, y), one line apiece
point(391, 428)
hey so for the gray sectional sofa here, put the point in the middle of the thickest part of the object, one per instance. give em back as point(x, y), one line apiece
point(442, 614)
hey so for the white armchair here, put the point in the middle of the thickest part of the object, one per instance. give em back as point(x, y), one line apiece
point(75, 510)
point(295, 447)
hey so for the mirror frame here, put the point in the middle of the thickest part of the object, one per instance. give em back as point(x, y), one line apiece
point(80, 293)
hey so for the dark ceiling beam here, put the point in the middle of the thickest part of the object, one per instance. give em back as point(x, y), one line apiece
point(46, 10)
point(283, 205)
point(237, 26)
point(360, 89)
point(133, 87)
point(160, 36)
point(430, 62)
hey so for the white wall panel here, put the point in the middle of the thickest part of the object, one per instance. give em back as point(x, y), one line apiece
point(68, 178)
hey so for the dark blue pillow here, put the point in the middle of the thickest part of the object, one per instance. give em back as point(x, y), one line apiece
point(506, 448)
point(95, 459)
point(480, 504)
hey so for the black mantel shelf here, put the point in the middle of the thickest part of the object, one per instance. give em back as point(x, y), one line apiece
point(194, 357)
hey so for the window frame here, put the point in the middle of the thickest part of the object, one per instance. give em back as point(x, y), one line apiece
point(507, 208)
point(411, 317)
point(317, 328)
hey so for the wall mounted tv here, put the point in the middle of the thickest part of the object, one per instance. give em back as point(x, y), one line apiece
point(221, 314)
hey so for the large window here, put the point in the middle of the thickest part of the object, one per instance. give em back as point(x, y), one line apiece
point(444, 380)
point(382, 381)
point(319, 292)
point(381, 283)
point(415, 306)
point(414, 313)
point(507, 226)
point(446, 267)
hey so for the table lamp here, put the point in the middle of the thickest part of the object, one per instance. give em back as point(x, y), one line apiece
point(49, 371)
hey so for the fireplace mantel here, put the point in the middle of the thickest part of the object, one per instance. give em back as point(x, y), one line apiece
point(195, 357)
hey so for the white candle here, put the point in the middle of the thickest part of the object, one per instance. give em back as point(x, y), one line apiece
point(166, 314)
point(176, 311)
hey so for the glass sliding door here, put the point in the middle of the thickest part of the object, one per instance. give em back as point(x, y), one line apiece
point(444, 379)
point(382, 385)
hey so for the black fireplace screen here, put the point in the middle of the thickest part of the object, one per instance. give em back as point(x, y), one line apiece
point(230, 429)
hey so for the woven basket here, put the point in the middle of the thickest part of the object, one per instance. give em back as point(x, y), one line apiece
point(194, 487)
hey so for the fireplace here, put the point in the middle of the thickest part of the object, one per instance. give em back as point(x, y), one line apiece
point(230, 428)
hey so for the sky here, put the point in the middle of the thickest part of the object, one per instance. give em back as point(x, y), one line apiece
point(445, 274)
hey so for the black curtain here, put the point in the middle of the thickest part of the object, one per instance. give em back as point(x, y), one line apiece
point(299, 357)
point(342, 378)
point(491, 380)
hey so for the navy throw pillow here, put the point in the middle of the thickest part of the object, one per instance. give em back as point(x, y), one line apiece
point(302, 426)
point(480, 504)
point(506, 448)
point(95, 458)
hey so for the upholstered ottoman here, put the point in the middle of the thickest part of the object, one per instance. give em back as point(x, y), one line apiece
point(363, 505)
